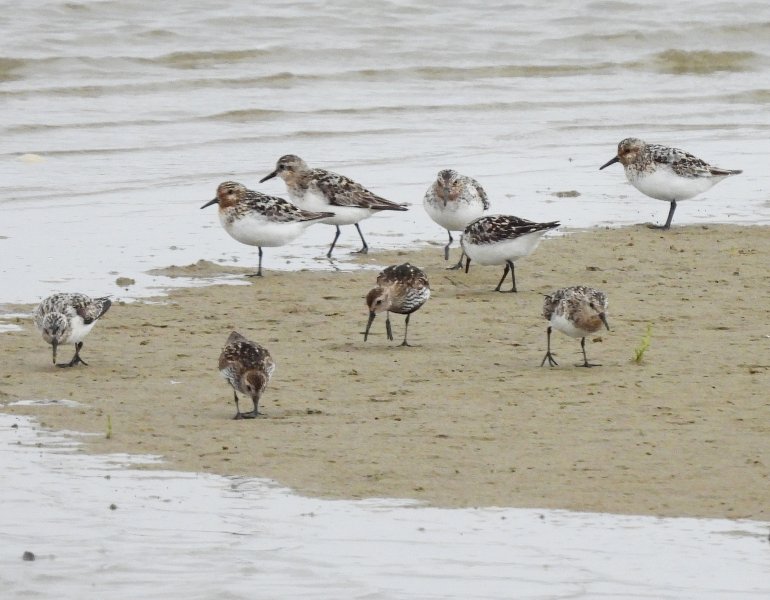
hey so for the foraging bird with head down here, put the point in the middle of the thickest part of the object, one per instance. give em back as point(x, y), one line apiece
point(67, 319)
point(401, 289)
point(248, 368)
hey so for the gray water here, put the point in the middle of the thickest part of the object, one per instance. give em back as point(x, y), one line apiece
point(101, 529)
point(120, 118)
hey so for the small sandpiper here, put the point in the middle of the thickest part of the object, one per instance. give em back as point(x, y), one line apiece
point(502, 240)
point(257, 219)
point(320, 190)
point(453, 201)
point(666, 173)
point(401, 289)
point(67, 319)
point(248, 367)
point(576, 311)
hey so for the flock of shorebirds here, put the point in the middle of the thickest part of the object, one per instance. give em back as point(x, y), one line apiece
point(455, 202)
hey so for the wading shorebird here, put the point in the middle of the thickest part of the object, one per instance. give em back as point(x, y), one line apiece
point(320, 190)
point(576, 311)
point(502, 240)
point(257, 219)
point(247, 367)
point(67, 319)
point(666, 173)
point(400, 289)
point(453, 201)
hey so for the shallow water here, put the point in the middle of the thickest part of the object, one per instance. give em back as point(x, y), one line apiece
point(120, 118)
point(100, 528)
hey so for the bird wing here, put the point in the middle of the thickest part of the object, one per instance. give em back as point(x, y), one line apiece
point(90, 310)
point(343, 191)
point(498, 227)
point(280, 210)
point(481, 192)
point(405, 274)
point(682, 163)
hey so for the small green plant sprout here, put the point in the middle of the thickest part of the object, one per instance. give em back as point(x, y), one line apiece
point(108, 435)
point(644, 345)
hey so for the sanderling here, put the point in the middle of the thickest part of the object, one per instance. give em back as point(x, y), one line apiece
point(666, 173)
point(400, 289)
point(257, 219)
point(248, 367)
point(576, 311)
point(317, 189)
point(453, 201)
point(501, 240)
point(67, 319)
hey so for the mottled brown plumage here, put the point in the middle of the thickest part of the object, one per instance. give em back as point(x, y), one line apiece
point(502, 240)
point(257, 219)
point(401, 289)
point(247, 367)
point(666, 173)
point(453, 201)
point(577, 312)
point(319, 190)
point(67, 319)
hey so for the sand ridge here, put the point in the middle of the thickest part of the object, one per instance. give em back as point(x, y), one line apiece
point(465, 417)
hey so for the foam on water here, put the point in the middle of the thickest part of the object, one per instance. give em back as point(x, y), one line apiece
point(99, 527)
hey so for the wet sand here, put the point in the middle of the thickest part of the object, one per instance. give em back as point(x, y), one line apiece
point(465, 417)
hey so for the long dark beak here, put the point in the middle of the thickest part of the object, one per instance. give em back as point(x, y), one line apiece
point(210, 202)
point(266, 177)
point(467, 263)
point(54, 344)
point(603, 317)
point(445, 196)
point(369, 324)
point(612, 161)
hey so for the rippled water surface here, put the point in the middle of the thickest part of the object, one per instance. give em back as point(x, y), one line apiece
point(120, 118)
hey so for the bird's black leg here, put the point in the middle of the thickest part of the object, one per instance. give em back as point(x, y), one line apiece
point(406, 328)
point(334, 242)
point(238, 413)
point(505, 274)
point(365, 248)
point(245, 415)
point(668, 220)
point(513, 275)
point(548, 356)
point(75, 359)
point(259, 268)
point(585, 359)
point(254, 413)
point(446, 248)
point(670, 215)
point(459, 264)
point(388, 328)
